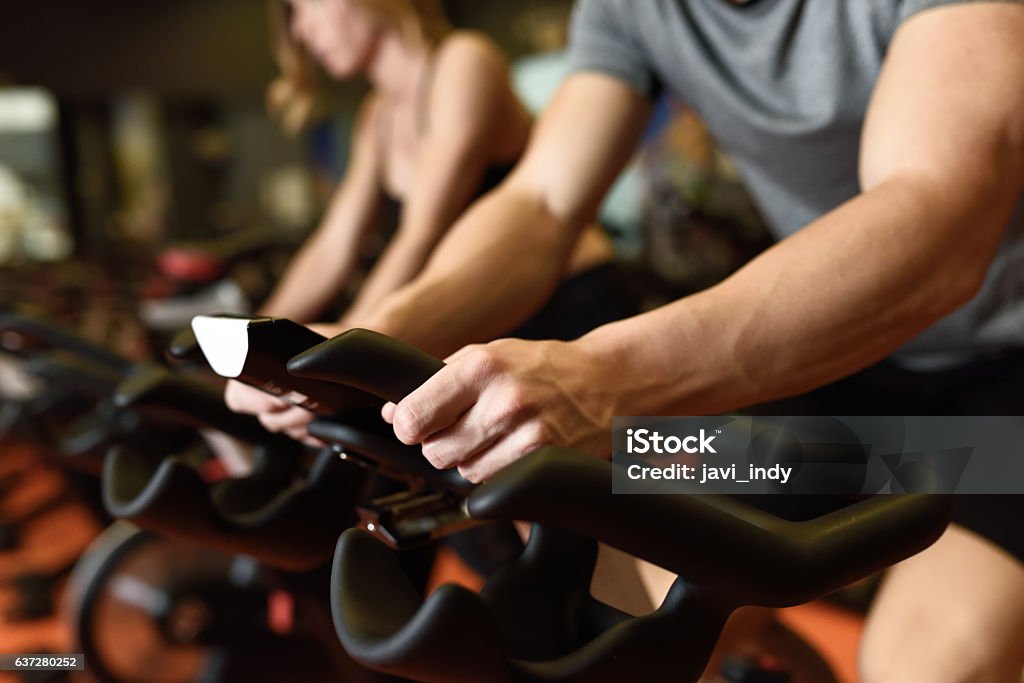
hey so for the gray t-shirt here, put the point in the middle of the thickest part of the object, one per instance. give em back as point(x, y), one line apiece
point(783, 85)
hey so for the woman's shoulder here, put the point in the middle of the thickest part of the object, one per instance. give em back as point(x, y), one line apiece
point(472, 90)
point(473, 51)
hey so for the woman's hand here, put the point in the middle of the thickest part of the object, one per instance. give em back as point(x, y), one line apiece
point(274, 414)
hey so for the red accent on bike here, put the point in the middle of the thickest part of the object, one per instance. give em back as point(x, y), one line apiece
point(190, 265)
point(212, 471)
point(768, 663)
point(280, 612)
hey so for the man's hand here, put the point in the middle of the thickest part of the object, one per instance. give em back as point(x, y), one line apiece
point(492, 404)
point(274, 414)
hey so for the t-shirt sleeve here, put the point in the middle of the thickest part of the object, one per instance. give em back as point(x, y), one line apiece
point(909, 8)
point(600, 40)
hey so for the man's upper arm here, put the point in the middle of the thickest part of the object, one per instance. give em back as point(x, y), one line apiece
point(946, 126)
point(580, 144)
point(590, 129)
point(949, 105)
point(604, 39)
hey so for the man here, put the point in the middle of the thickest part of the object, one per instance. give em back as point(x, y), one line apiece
point(884, 142)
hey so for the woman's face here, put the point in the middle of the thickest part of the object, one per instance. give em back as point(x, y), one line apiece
point(339, 34)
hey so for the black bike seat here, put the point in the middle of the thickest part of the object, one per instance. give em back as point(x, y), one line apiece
point(234, 246)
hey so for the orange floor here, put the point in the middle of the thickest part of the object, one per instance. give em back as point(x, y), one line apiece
point(833, 631)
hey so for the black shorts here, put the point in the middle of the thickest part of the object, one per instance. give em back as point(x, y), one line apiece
point(583, 302)
point(992, 386)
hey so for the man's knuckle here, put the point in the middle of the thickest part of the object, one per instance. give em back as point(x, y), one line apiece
point(516, 401)
point(408, 424)
point(437, 455)
point(538, 434)
point(486, 362)
point(471, 473)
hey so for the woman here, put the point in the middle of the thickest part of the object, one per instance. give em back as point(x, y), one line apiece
point(440, 127)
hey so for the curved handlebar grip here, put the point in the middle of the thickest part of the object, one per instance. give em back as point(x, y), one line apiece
point(711, 539)
point(370, 361)
point(33, 334)
point(290, 525)
point(384, 367)
point(255, 351)
point(185, 347)
point(66, 369)
point(164, 394)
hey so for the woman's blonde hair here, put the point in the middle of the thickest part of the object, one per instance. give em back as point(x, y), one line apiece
point(291, 97)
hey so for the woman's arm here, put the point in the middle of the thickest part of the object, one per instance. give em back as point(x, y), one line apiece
point(505, 255)
point(325, 262)
point(473, 118)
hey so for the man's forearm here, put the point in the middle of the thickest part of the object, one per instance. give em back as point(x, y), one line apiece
point(488, 275)
point(839, 295)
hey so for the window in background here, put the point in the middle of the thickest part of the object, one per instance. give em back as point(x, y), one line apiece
point(33, 219)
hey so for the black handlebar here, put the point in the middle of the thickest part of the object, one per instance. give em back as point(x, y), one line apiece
point(255, 351)
point(715, 540)
point(24, 335)
point(386, 368)
point(373, 362)
point(727, 552)
point(156, 391)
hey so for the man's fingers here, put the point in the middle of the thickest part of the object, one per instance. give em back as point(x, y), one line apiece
point(504, 452)
point(461, 353)
point(462, 441)
point(439, 402)
point(388, 410)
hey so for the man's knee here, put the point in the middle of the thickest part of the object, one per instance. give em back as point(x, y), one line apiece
point(953, 614)
point(923, 659)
